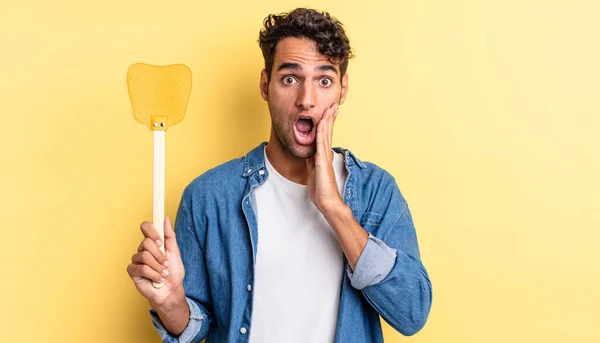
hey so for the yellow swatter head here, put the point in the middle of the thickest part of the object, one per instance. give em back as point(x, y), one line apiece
point(159, 94)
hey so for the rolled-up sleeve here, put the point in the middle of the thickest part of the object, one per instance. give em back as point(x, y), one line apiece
point(374, 264)
point(195, 284)
point(389, 272)
point(190, 332)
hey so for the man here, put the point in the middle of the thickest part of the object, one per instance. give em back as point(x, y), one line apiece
point(296, 241)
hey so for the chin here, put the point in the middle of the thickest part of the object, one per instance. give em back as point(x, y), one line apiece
point(288, 143)
point(302, 151)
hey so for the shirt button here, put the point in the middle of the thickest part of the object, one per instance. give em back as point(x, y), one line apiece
point(249, 288)
point(249, 171)
point(261, 172)
point(243, 331)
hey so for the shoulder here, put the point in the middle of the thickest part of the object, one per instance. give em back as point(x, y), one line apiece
point(371, 181)
point(378, 182)
point(379, 197)
point(221, 178)
point(376, 173)
point(368, 171)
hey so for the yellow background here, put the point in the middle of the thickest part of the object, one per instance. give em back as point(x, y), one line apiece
point(486, 112)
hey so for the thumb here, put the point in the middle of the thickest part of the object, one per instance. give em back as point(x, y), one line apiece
point(170, 240)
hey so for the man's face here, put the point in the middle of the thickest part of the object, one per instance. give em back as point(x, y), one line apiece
point(303, 84)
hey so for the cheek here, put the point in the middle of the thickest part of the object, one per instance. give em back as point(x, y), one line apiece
point(282, 101)
point(327, 99)
point(332, 93)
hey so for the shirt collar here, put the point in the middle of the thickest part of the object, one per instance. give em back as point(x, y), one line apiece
point(255, 159)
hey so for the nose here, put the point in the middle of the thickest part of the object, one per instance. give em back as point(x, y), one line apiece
point(306, 96)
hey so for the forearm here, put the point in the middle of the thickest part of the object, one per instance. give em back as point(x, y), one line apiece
point(174, 313)
point(351, 236)
point(390, 272)
point(404, 299)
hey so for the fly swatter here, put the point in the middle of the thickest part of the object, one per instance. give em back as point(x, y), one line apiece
point(159, 97)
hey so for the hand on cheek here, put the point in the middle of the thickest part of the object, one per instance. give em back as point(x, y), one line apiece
point(322, 184)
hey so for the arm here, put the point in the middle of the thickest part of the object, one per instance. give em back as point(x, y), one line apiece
point(174, 313)
point(324, 193)
point(384, 264)
point(352, 237)
point(388, 270)
point(150, 264)
point(192, 305)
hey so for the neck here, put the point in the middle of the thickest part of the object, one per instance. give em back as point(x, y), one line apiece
point(289, 166)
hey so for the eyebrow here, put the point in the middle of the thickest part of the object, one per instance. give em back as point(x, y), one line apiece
point(296, 66)
point(326, 67)
point(287, 65)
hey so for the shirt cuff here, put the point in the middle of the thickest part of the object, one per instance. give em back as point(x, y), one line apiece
point(374, 264)
point(191, 330)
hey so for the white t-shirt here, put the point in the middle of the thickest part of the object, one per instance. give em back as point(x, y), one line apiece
point(299, 264)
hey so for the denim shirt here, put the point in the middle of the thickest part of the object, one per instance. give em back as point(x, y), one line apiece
point(217, 233)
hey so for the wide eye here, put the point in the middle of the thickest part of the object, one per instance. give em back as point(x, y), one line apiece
point(289, 80)
point(325, 82)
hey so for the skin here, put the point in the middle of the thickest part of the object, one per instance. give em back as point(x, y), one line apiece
point(302, 83)
point(150, 264)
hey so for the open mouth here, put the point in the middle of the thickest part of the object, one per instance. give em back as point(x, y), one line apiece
point(305, 130)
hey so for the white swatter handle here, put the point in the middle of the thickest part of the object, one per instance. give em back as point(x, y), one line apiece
point(158, 208)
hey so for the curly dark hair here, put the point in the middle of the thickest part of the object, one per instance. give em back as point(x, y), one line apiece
point(320, 27)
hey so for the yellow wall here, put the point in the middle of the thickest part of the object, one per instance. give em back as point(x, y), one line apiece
point(486, 112)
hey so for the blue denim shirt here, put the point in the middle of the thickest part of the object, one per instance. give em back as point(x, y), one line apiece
point(217, 233)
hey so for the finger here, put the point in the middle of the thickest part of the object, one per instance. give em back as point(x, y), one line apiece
point(330, 128)
point(310, 163)
point(150, 231)
point(332, 117)
point(335, 115)
point(321, 132)
point(144, 257)
point(170, 239)
point(137, 271)
point(150, 246)
point(326, 144)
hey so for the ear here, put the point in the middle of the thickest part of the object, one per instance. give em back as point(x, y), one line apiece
point(344, 88)
point(264, 85)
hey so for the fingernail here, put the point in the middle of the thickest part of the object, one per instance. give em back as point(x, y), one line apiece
point(158, 242)
point(166, 264)
point(162, 279)
point(165, 273)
